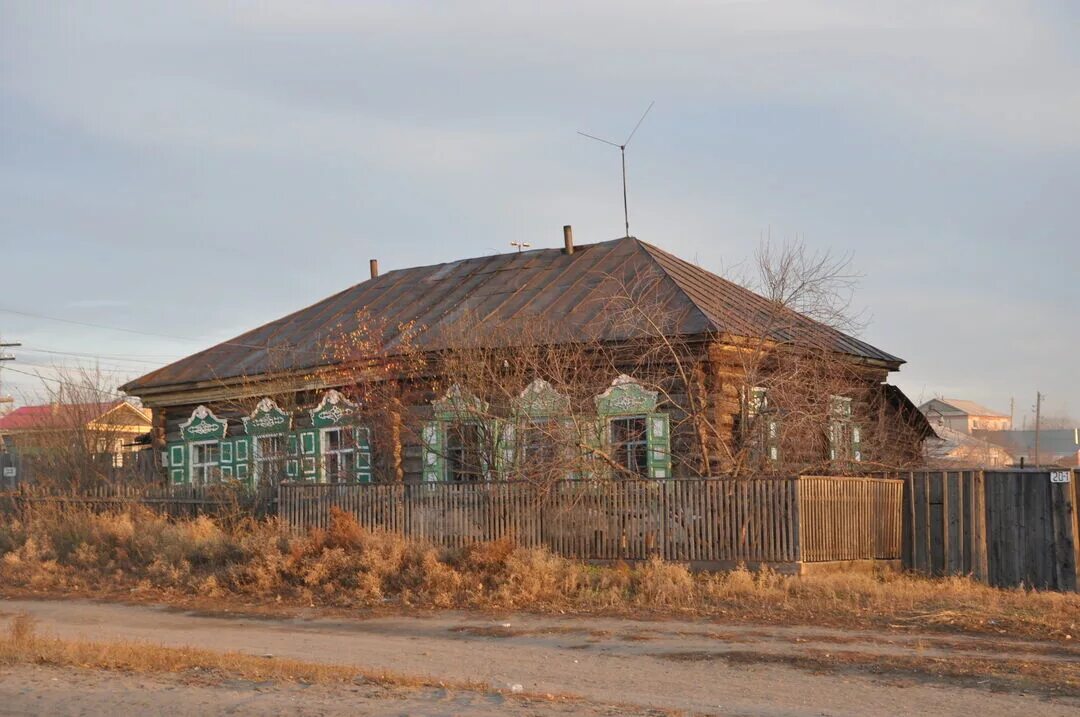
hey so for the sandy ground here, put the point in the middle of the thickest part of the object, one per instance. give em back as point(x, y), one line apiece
point(617, 666)
point(47, 691)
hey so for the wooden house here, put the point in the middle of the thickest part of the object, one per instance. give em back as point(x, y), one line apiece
point(222, 413)
point(109, 428)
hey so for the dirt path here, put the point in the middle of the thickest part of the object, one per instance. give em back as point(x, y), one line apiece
point(696, 666)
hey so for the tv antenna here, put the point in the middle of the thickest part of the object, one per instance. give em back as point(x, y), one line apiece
point(622, 150)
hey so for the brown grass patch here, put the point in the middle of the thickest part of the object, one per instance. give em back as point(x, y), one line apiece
point(56, 548)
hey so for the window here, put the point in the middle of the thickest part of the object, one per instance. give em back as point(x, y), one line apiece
point(539, 456)
point(760, 426)
point(204, 463)
point(757, 401)
point(339, 455)
point(269, 457)
point(629, 444)
point(465, 452)
point(845, 438)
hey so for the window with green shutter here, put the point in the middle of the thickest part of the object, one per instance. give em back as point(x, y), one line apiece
point(461, 443)
point(339, 446)
point(636, 436)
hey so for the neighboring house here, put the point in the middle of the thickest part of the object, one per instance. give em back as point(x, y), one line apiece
point(956, 448)
point(210, 424)
point(963, 416)
point(104, 428)
point(1056, 446)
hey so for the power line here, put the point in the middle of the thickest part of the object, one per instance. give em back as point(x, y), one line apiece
point(108, 357)
point(122, 329)
point(127, 371)
point(63, 382)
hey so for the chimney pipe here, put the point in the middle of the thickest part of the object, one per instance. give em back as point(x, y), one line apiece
point(568, 239)
point(374, 268)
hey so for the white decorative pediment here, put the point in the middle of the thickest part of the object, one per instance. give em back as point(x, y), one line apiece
point(334, 409)
point(540, 398)
point(457, 402)
point(626, 395)
point(203, 426)
point(267, 418)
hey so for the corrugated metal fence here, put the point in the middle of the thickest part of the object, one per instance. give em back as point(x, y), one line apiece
point(708, 520)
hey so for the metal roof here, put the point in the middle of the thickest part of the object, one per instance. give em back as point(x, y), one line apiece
point(571, 291)
point(969, 408)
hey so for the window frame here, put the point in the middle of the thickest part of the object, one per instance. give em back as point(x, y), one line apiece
point(346, 457)
point(259, 460)
point(641, 446)
point(452, 428)
point(203, 466)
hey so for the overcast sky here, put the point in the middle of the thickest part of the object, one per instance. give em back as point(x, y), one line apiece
point(193, 171)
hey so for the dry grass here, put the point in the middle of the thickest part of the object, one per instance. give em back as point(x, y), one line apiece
point(67, 549)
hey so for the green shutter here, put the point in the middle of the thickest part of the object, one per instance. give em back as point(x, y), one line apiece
point(225, 458)
point(178, 462)
point(856, 443)
point(595, 439)
point(506, 464)
point(362, 436)
point(434, 441)
point(225, 452)
point(772, 441)
point(309, 450)
point(658, 439)
point(292, 460)
point(242, 459)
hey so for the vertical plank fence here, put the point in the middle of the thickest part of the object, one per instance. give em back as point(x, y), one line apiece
point(710, 522)
point(1003, 527)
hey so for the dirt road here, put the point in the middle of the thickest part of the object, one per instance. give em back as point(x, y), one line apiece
point(696, 666)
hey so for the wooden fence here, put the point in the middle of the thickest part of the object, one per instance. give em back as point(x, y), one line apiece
point(712, 522)
point(849, 519)
point(1004, 527)
point(180, 501)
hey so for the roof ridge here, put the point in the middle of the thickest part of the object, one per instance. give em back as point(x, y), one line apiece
point(646, 247)
point(759, 303)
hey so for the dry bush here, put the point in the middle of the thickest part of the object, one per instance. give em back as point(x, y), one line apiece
point(55, 548)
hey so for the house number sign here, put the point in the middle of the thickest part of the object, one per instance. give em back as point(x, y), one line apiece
point(1059, 476)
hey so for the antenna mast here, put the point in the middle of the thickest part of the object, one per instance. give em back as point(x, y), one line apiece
point(622, 150)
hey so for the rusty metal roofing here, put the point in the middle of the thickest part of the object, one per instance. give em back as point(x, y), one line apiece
point(573, 291)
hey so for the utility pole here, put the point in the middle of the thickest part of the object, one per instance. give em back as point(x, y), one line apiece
point(5, 357)
point(1038, 416)
point(1012, 412)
